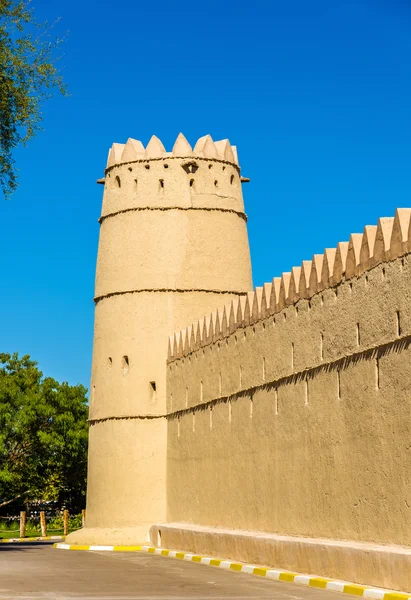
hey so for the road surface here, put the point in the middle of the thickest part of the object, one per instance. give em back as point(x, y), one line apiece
point(39, 571)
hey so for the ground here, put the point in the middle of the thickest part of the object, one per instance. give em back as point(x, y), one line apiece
point(39, 571)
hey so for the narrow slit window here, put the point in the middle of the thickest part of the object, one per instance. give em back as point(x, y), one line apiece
point(377, 373)
point(338, 385)
point(398, 323)
point(358, 335)
point(161, 183)
point(125, 362)
point(118, 181)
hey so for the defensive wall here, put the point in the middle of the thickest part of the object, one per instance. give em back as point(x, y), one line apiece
point(288, 410)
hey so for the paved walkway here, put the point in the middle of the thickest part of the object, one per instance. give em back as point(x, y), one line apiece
point(39, 571)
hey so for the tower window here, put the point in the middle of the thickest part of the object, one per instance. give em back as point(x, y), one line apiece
point(216, 183)
point(110, 361)
point(232, 179)
point(190, 167)
point(147, 166)
point(191, 182)
point(125, 361)
point(153, 386)
point(118, 182)
point(161, 182)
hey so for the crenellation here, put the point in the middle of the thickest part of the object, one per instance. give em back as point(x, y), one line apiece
point(315, 275)
point(353, 255)
point(382, 240)
point(400, 233)
point(367, 248)
point(326, 270)
point(304, 282)
point(328, 267)
point(340, 262)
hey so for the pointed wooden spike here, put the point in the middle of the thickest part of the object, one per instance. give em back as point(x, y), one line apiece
point(367, 248)
point(353, 255)
point(133, 150)
point(181, 146)
point(399, 236)
point(382, 239)
point(155, 148)
point(328, 268)
point(303, 290)
point(315, 275)
point(340, 262)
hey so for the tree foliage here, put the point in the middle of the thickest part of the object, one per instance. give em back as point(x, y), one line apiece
point(28, 74)
point(43, 435)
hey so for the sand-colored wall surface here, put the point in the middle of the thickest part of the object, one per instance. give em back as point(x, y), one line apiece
point(297, 422)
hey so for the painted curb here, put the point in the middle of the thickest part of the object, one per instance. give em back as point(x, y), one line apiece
point(47, 538)
point(308, 580)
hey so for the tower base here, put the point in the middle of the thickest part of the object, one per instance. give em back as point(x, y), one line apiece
point(107, 536)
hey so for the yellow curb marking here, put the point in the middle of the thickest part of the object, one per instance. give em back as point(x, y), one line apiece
point(318, 582)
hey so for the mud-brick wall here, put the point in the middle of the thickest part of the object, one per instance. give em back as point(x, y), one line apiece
point(300, 423)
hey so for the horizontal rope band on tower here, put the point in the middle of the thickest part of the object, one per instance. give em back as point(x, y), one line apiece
point(167, 290)
point(240, 214)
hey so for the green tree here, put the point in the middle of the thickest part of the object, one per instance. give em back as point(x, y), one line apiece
point(28, 75)
point(43, 435)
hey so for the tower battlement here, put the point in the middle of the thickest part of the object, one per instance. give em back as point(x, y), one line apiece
point(205, 147)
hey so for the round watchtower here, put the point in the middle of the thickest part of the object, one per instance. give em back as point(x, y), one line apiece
point(173, 247)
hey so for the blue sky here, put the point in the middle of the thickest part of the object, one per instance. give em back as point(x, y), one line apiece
point(316, 96)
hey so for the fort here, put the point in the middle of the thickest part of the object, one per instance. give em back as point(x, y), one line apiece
point(270, 426)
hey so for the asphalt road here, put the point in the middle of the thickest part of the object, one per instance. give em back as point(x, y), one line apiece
point(39, 571)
